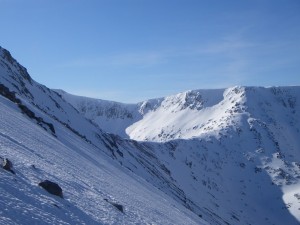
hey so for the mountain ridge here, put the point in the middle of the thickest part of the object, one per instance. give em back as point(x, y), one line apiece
point(102, 111)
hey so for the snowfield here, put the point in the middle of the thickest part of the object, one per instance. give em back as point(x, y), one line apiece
point(86, 176)
point(226, 156)
point(240, 144)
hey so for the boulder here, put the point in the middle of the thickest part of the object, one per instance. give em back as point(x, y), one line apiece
point(118, 206)
point(51, 187)
point(7, 165)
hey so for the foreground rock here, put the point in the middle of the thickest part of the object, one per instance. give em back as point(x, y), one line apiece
point(51, 187)
point(7, 165)
point(118, 206)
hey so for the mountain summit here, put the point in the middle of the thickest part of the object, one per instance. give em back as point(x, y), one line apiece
point(226, 156)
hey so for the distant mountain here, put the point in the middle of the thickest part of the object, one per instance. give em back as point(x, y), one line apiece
point(230, 156)
point(247, 130)
point(191, 114)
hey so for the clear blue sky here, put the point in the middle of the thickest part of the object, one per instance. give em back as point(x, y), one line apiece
point(132, 50)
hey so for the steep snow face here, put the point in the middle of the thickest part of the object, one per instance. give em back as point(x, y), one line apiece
point(86, 176)
point(46, 138)
point(37, 100)
point(186, 115)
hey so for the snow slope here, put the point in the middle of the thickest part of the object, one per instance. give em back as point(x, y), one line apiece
point(112, 117)
point(218, 138)
point(160, 119)
point(229, 156)
point(86, 175)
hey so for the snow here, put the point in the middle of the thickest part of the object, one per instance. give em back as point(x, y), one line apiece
point(291, 197)
point(230, 156)
point(239, 145)
point(85, 175)
point(77, 157)
point(104, 113)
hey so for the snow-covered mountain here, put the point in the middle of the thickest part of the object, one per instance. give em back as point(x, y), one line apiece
point(191, 114)
point(230, 156)
point(242, 138)
point(47, 139)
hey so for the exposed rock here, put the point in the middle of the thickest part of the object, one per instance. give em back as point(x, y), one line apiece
point(40, 121)
point(4, 91)
point(51, 187)
point(118, 206)
point(7, 165)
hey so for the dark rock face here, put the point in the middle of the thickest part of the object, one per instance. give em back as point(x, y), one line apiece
point(7, 165)
point(51, 187)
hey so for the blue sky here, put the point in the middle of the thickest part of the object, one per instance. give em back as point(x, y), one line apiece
point(132, 50)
